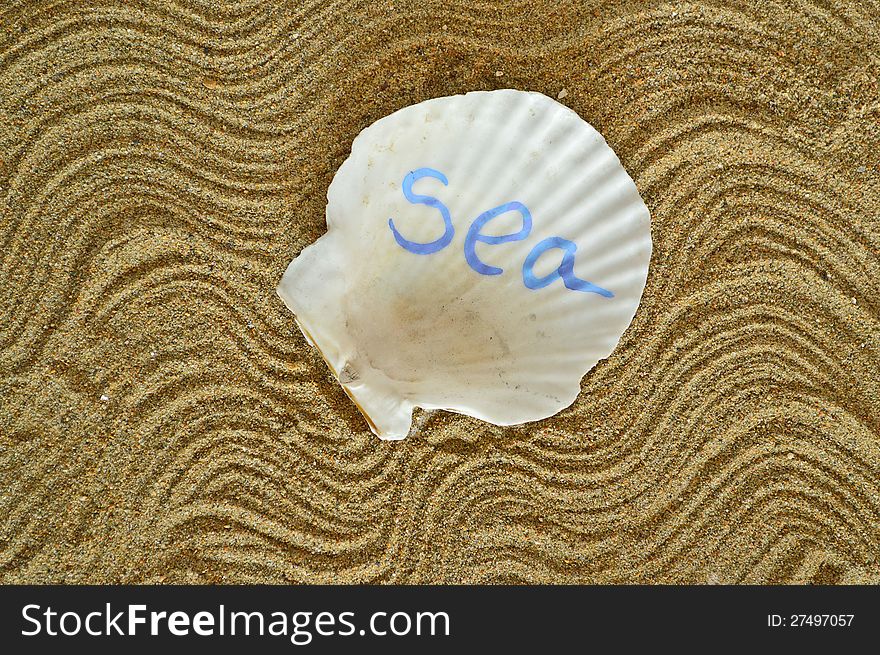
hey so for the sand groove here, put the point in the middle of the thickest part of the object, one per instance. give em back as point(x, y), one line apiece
point(161, 162)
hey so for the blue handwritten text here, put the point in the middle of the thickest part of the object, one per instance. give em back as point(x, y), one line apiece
point(565, 270)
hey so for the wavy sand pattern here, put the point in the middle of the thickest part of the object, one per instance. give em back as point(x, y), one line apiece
point(161, 163)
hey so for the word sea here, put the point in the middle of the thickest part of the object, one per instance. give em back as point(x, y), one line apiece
point(565, 271)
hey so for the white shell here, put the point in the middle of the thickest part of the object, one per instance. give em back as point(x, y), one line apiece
point(401, 329)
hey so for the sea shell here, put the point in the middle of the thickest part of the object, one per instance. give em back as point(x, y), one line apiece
point(483, 252)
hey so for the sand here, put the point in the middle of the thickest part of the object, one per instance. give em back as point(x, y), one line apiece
point(163, 420)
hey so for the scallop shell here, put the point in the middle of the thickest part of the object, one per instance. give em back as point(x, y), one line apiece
point(483, 253)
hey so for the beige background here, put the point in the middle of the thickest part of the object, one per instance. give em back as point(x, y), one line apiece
point(162, 162)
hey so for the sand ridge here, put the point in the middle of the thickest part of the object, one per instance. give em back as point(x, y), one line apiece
point(161, 163)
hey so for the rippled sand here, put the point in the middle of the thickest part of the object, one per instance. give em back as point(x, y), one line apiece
point(162, 162)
